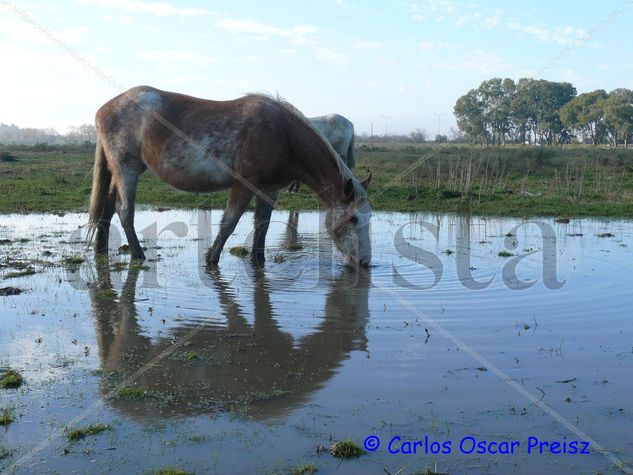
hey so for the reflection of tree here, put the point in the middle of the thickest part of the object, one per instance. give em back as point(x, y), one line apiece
point(220, 367)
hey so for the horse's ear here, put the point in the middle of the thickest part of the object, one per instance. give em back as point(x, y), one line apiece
point(348, 189)
point(366, 181)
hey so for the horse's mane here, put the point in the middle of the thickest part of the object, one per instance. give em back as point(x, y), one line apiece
point(343, 168)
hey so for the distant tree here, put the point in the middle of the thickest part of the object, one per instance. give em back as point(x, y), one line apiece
point(618, 115)
point(82, 134)
point(586, 113)
point(456, 136)
point(418, 136)
point(441, 138)
point(470, 113)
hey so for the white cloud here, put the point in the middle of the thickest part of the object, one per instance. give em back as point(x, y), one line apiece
point(332, 54)
point(562, 35)
point(480, 61)
point(371, 45)
point(343, 4)
point(153, 8)
point(256, 27)
point(174, 56)
point(432, 47)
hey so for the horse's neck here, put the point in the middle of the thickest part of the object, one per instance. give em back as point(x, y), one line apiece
point(320, 171)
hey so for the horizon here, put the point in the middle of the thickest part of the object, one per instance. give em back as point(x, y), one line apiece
point(396, 65)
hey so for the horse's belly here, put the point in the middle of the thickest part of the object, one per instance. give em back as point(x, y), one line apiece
point(196, 174)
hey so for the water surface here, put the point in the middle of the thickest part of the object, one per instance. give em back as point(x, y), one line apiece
point(248, 372)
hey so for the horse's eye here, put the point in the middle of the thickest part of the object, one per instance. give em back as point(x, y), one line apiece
point(353, 219)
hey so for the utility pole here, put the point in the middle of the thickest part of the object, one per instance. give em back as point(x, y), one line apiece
point(439, 121)
point(386, 117)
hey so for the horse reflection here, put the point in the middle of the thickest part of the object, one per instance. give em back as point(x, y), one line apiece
point(201, 368)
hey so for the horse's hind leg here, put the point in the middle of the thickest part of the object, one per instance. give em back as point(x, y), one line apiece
point(103, 229)
point(263, 210)
point(125, 209)
point(238, 201)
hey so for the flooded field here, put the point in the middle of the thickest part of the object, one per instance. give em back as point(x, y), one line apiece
point(463, 330)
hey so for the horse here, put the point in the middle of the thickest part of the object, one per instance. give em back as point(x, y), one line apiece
point(339, 131)
point(254, 145)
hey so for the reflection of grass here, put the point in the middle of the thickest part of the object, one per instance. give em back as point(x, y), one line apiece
point(92, 429)
point(11, 379)
point(346, 449)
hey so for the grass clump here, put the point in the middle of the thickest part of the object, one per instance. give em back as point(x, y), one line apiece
point(170, 471)
point(346, 449)
point(131, 393)
point(22, 273)
point(191, 355)
point(105, 294)
point(306, 469)
point(74, 260)
point(239, 251)
point(505, 254)
point(5, 452)
point(7, 416)
point(294, 247)
point(92, 429)
point(11, 379)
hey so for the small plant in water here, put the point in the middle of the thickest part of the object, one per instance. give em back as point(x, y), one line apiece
point(239, 251)
point(131, 393)
point(7, 416)
point(106, 293)
point(92, 429)
point(11, 379)
point(346, 449)
point(5, 452)
point(170, 471)
point(306, 469)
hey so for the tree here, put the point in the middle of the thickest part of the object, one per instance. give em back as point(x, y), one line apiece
point(418, 136)
point(618, 115)
point(469, 111)
point(441, 138)
point(82, 134)
point(586, 113)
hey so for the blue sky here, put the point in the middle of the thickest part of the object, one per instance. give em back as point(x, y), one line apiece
point(404, 60)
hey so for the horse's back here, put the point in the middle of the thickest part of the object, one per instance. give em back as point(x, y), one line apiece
point(339, 131)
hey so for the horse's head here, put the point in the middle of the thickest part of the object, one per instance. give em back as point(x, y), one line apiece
point(348, 222)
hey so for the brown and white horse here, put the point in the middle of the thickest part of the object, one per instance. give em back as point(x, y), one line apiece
point(254, 145)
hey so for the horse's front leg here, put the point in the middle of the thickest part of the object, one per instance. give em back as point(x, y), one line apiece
point(263, 210)
point(238, 201)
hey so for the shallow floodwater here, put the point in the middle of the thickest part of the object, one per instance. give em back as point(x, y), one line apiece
point(244, 372)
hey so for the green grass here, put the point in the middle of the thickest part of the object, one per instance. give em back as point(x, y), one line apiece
point(11, 379)
point(513, 180)
point(346, 449)
point(7, 416)
point(131, 393)
point(306, 469)
point(170, 471)
point(92, 429)
point(239, 251)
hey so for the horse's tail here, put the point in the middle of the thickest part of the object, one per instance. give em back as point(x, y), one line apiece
point(101, 179)
point(351, 158)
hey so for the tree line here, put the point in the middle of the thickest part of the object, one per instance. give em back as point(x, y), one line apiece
point(12, 134)
point(536, 111)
